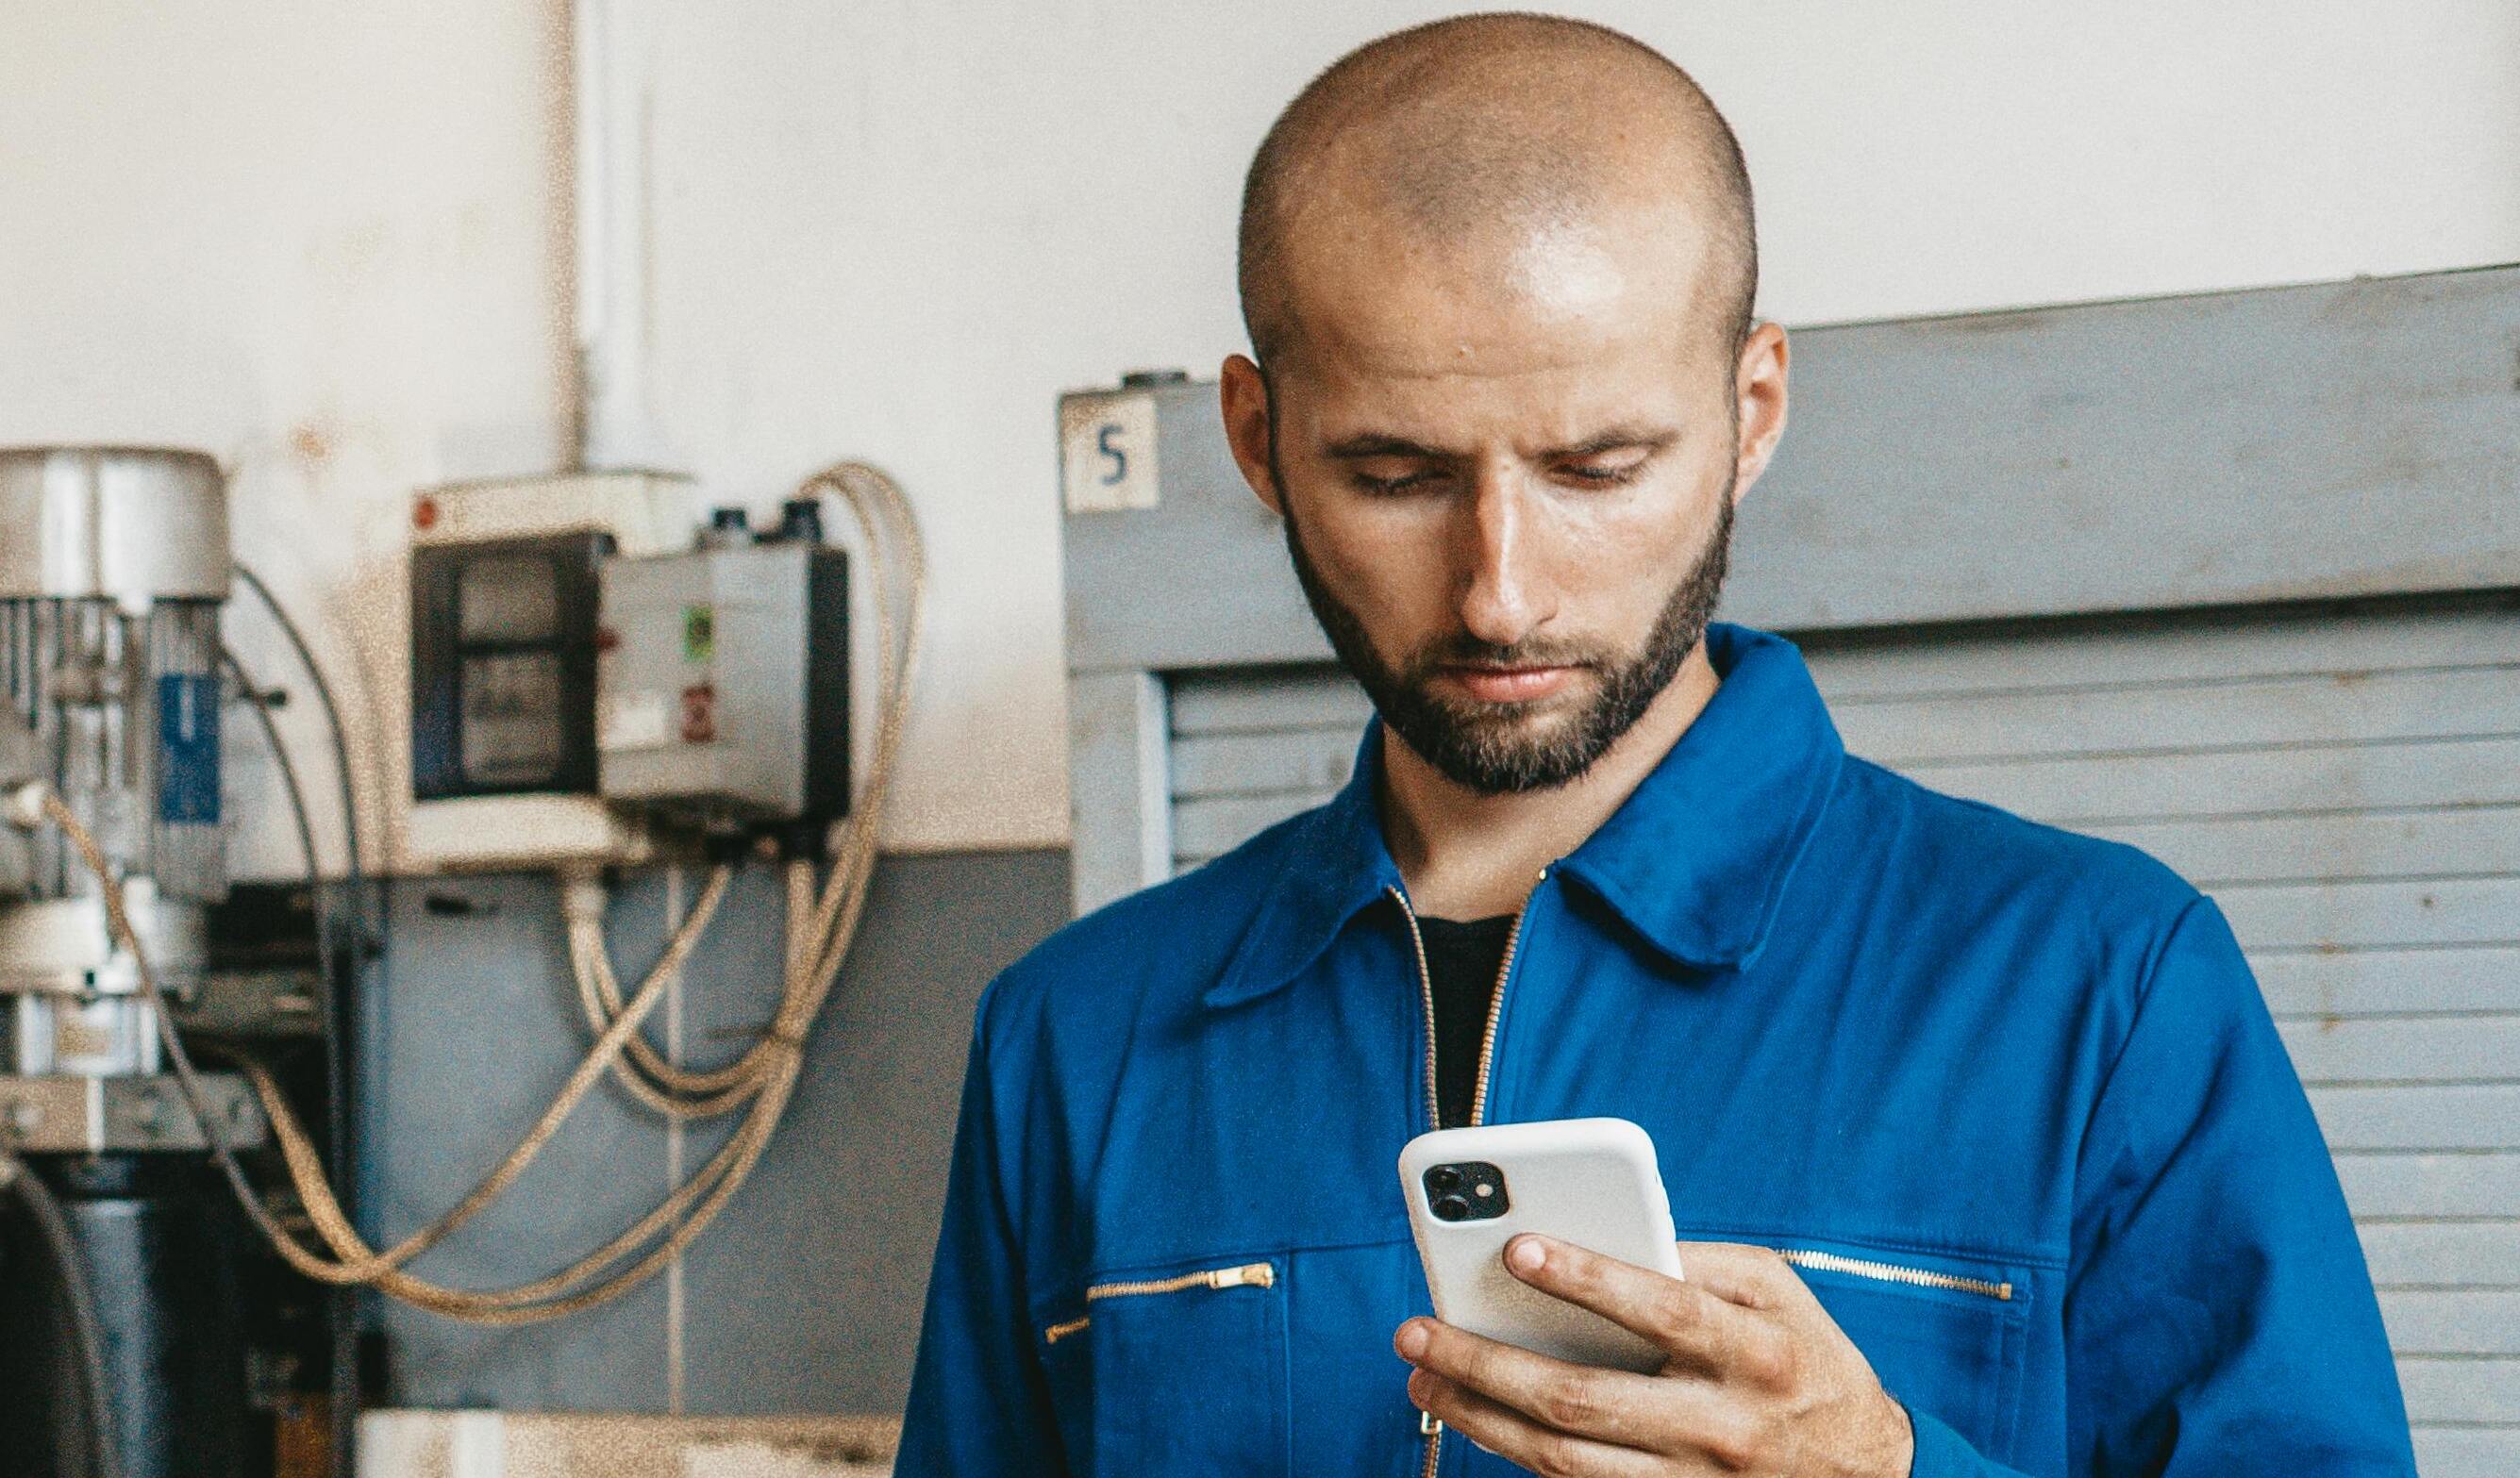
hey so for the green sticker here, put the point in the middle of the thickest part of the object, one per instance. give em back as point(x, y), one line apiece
point(700, 633)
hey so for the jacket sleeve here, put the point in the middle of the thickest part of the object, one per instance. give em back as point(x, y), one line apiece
point(2218, 1316)
point(979, 1403)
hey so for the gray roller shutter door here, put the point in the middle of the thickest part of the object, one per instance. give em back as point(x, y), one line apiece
point(2346, 786)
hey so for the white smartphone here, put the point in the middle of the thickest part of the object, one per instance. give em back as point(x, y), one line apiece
point(1591, 1182)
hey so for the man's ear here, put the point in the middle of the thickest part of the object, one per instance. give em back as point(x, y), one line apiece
point(1759, 390)
point(1243, 397)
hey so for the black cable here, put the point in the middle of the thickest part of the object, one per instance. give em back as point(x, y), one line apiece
point(87, 1337)
point(336, 1073)
point(342, 1338)
point(324, 699)
point(343, 1306)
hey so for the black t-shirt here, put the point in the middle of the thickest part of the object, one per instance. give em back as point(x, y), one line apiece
point(1461, 964)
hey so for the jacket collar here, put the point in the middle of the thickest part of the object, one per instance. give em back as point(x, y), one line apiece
point(1694, 861)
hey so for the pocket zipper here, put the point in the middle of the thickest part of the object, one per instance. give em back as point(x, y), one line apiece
point(1240, 1275)
point(1892, 1273)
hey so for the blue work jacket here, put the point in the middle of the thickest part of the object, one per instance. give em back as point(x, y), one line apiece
point(2009, 1097)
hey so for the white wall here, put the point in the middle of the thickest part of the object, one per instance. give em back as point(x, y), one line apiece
point(314, 240)
point(898, 230)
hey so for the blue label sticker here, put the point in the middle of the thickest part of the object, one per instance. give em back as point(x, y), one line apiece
point(188, 750)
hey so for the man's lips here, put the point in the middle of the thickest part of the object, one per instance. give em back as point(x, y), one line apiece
point(1510, 685)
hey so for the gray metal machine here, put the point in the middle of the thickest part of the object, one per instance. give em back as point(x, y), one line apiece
point(111, 574)
point(114, 564)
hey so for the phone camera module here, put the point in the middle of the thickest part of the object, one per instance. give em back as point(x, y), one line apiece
point(1467, 1190)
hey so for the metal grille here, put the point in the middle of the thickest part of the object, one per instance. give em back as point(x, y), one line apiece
point(87, 679)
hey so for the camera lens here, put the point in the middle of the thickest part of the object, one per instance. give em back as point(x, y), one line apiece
point(1444, 1178)
point(1452, 1208)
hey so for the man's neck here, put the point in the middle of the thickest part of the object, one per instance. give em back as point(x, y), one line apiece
point(1467, 855)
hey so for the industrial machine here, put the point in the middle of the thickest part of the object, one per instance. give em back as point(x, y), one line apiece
point(596, 682)
point(112, 569)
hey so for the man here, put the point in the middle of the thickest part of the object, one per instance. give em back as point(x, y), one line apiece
point(1987, 1154)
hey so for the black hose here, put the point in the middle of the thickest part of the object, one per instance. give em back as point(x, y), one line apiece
point(341, 1309)
point(332, 712)
point(343, 1347)
point(87, 1337)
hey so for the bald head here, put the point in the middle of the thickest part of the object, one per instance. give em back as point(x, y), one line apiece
point(1473, 138)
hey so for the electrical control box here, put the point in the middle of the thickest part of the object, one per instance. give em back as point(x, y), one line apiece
point(503, 665)
point(503, 659)
point(722, 681)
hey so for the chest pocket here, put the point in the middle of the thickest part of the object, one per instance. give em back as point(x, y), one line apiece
point(1944, 1335)
point(1174, 1368)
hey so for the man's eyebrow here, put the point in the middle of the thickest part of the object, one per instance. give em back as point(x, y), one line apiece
point(1617, 439)
point(1380, 444)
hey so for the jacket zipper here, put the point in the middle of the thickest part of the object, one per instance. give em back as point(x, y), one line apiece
point(1425, 1001)
point(1240, 1275)
point(1496, 1003)
point(1893, 1273)
point(1428, 1426)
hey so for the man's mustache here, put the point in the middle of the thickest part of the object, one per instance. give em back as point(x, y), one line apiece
point(1462, 650)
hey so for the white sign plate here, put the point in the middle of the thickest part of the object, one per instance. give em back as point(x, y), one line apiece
point(1108, 451)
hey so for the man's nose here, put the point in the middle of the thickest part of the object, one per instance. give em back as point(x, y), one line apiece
point(1501, 601)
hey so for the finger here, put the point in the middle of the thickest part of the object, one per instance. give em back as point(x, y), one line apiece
point(1754, 1277)
point(1611, 1405)
point(1510, 1434)
point(1705, 1331)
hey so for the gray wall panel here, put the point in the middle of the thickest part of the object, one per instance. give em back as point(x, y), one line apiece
point(2100, 788)
point(2441, 1389)
point(805, 1295)
point(2443, 1254)
point(2339, 438)
point(2384, 1185)
point(2472, 1451)
point(2338, 984)
point(2405, 1050)
point(809, 1300)
point(2454, 1321)
point(2350, 915)
point(2420, 1116)
point(1119, 807)
point(472, 1035)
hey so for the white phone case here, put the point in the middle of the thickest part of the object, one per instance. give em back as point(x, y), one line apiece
point(1591, 1182)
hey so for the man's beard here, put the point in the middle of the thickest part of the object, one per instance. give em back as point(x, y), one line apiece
point(1483, 747)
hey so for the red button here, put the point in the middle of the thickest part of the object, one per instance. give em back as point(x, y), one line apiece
point(699, 714)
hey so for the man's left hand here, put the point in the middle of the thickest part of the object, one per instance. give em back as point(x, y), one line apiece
point(1760, 1379)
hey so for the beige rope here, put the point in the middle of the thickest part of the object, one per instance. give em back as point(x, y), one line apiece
point(644, 1073)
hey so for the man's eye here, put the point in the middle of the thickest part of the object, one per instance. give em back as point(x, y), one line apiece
point(1402, 483)
point(1602, 474)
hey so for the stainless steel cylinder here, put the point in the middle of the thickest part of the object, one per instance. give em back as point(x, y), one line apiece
point(131, 524)
point(64, 946)
point(114, 562)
